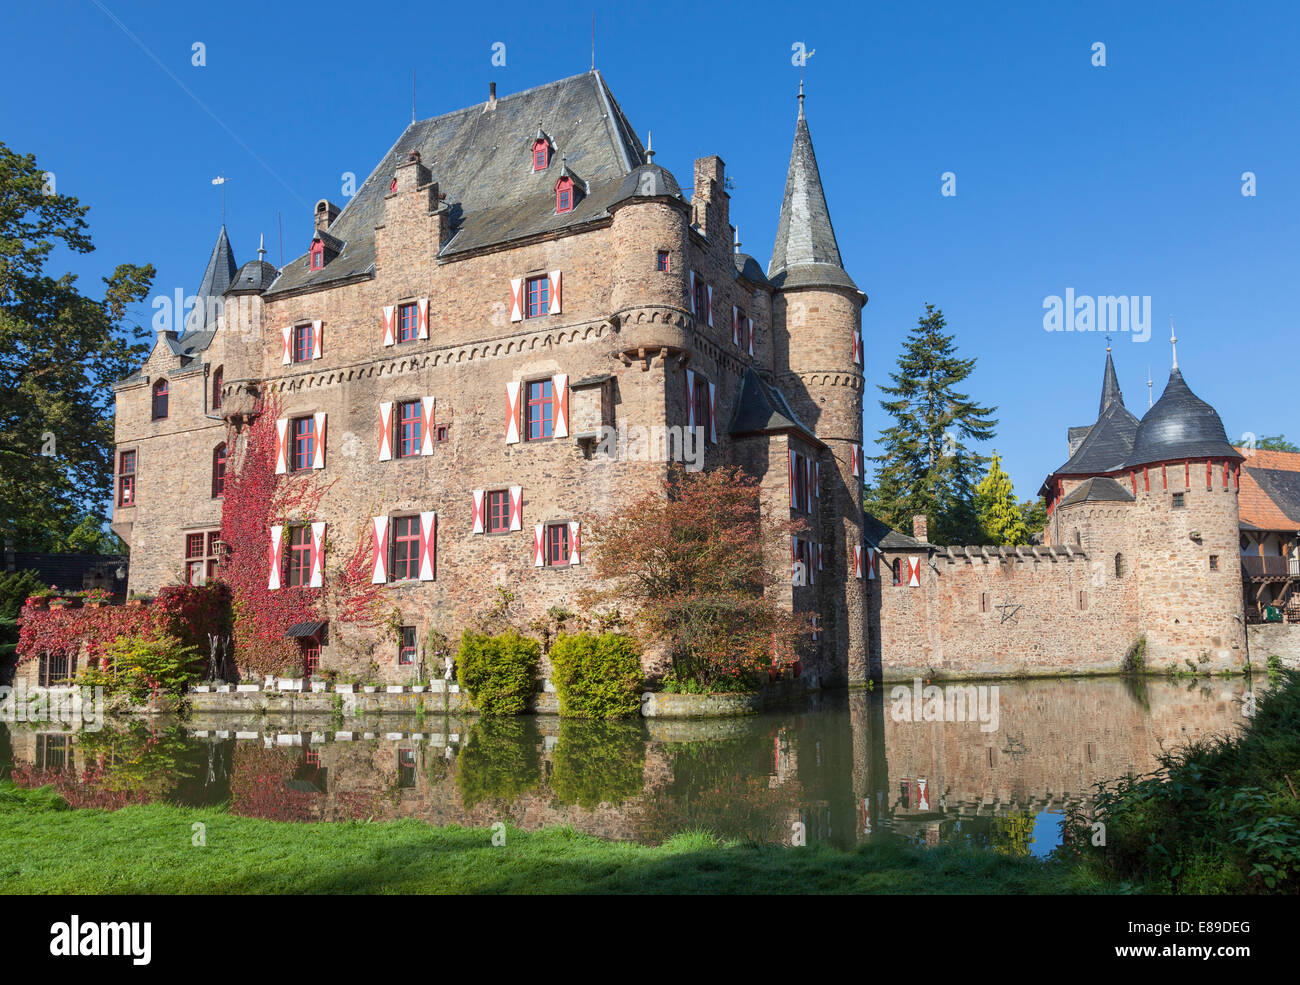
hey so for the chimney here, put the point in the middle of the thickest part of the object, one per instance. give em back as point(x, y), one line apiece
point(492, 97)
point(326, 213)
point(710, 201)
point(921, 528)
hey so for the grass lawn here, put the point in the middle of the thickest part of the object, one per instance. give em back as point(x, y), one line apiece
point(46, 848)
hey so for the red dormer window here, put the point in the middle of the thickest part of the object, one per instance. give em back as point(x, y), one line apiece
point(541, 155)
point(564, 195)
point(317, 255)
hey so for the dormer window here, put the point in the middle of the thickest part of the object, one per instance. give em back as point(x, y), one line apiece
point(317, 255)
point(541, 154)
point(564, 195)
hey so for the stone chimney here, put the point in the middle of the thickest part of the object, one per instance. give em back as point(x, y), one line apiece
point(326, 212)
point(711, 202)
point(492, 97)
point(921, 528)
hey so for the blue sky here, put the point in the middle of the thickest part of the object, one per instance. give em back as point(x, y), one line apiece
point(1122, 179)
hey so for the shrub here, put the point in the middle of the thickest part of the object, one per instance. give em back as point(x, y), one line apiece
point(141, 667)
point(498, 672)
point(596, 676)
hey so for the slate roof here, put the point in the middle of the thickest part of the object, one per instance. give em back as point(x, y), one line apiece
point(761, 409)
point(806, 253)
point(1110, 392)
point(200, 325)
point(1108, 444)
point(748, 268)
point(480, 158)
point(882, 536)
point(1180, 425)
point(650, 180)
point(253, 277)
point(1098, 489)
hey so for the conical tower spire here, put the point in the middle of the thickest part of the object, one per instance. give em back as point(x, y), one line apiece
point(806, 251)
point(217, 278)
point(1110, 392)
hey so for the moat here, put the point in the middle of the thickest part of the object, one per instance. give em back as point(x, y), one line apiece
point(841, 769)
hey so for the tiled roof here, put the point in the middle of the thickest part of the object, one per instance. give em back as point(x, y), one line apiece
point(1269, 498)
point(479, 156)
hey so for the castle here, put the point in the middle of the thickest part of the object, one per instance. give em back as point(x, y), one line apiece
point(518, 279)
point(512, 281)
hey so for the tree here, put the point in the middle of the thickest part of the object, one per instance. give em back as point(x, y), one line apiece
point(1276, 442)
point(60, 353)
point(15, 587)
point(695, 560)
point(925, 466)
point(1000, 519)
point(1034, 513)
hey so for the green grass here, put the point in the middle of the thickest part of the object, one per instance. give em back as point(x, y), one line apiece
point(46, 848)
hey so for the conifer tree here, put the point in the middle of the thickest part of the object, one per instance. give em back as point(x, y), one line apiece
point(1000, 518)
point(926, 466)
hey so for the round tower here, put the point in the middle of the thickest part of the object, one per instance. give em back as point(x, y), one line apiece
point(1184, 475)
point(817, 358)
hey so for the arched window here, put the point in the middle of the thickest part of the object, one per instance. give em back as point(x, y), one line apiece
point(219, 471)
point(1119, 565)
point(217, 379)
point(898, 571)
point(160, 400)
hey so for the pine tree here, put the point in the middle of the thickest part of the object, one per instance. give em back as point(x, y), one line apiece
point(1000, 519)
point(926, 466)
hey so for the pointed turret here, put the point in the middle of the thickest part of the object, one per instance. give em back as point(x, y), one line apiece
point(217, 278)
point(806, 253)
point(1110, 392)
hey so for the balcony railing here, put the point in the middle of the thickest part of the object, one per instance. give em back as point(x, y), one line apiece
point(1254, 566)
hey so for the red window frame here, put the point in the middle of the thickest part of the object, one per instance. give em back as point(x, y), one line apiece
point(541, 155)
point(304, 443)
point(898, 571)
point(194, 566)
point(556, 544)
point(317, 255)
point(408, 322)
point(440, 433)
point(661, 261)
point(407, 649)
point(161, 390)
point(217, 378)
point(302, 343)
point(310, 663)
point(410, 428)
point(564, 195)
point(702, 407)
point(701, 299)
point(214, 552)
point(406, 549)
point(299, 557)
point(539, 410)
point(126, 478)
point(538, 297)
point(498, 511)
point(219, 471)
point(800, 480)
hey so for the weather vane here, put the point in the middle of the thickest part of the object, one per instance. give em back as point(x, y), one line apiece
point(221, 180)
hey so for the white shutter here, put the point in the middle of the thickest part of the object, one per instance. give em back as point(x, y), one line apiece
point(318, 459)
point(380, 542)
point(422, 330)
point(794, 501)
point(317, 554)
point(539, 537)
point(273, 581)
point(281, 438)
point(708, 288)
point(288, 337)
point(512, 412)
point(516, 299)
point(690, 399)
point(560, 394)
point(575, 538)
point(385, 430)
point(557, 291)
point(693, 311)
point(426, 425)
point(389, 337)
point(914, 572)
point(478, 511)
point(315, 339)
point(428, 545)
point(713, 417)
point(749, 328)
point(516, 507)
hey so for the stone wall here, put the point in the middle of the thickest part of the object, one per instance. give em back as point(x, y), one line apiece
point(1280, 638)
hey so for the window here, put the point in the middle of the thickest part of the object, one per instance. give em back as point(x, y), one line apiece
point(304, 443)
point(701, 299)
point(539, 411)
point(557, 544)
point(219, 471)
point(195, 569)
point(160, 400)
point(440, 433)
point(126, 479)
point(406, 651)
point(702, 407)
point(299, 556)
point(406, 549)
point(405, 769)
point(539, 297)
point(498, 511)
point(1083, 601)
point(214, 552)
point(408, 321)
point(984, 601)
point(302, 343)
point(217, 379)
point(409, 429)
point(318, 253)
point(1214, 562)
point(310, 663)
point(898, 571)
point(800, 473)
point(541, 155)
point(661, 261)
point(1119, 565)
point(564, 195)
point(1178, 501)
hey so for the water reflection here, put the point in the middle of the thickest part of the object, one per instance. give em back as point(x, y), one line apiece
point(840, 771)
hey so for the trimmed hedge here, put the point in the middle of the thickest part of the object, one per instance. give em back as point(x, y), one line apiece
point(498, 672)
point(596, 676)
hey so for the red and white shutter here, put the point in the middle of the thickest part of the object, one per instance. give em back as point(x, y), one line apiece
point(922, 795)
point(428, 545)
point(690, 399)
point(794, 502)
point(516, 299)
point(287, 331)
point(385, 430)
point(512, 412)
point(557, 292)
point(539, 535)
point(914, 572)
point(749, 331)
point(819, 557)
point(693, 311)
point(516, 507)
point(817, 480)
point(281, 451)
point(708, 290)
point(857, 562)
point(426, 425)
point(808, 551)
point(379, 538)
point(317, 554)
point(735, 325)
point(794, 560)
point(857, 348)
point(855, 458)
point(478, 511)
point(277, 537)
point(560, 392)
point(315, 339)
point(807, 485)
point(318, 458)
point(389, 337)
point(422, 330)
point(713, 416)
point(575, 542)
